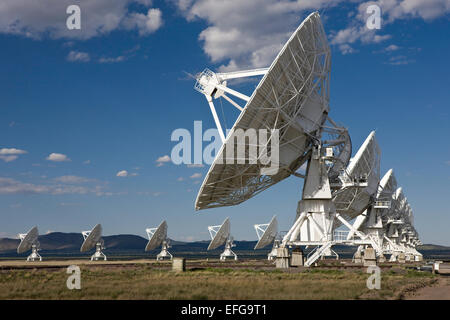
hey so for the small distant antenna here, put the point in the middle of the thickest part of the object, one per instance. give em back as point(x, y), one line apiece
point(220, 235)
point(93, 238)
point(29, 241)
point(267, 234)
point(158, 237)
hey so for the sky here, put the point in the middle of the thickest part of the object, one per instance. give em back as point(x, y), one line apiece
point(86, 116)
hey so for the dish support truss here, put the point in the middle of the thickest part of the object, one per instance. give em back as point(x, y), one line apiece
point(260, 229)
point(99, 246)
point(35, 247)
point(214, 85)
point(384, 223)
point(317, 219)
point(165, 246)
point(400, 240)
point(229, 243)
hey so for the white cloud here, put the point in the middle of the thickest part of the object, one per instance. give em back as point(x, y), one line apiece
point(405, 9)
point(123, 173)
point(195, 165)
point(399, 60)
point(196, 176)
point(10, 154)
point(180, 179)
point(11, 151)
point(145, 24)
point(247, 34)
point(71, 179)
point(57, 157)
point(77, 56)
point(392, 47)
point(391, 11)
point(112, 60)
point(12, 186)
point(8, 158)
point(161, 160)
point(37, 19)
point(87, 162)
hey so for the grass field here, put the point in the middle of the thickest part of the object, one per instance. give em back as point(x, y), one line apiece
point(145, 281)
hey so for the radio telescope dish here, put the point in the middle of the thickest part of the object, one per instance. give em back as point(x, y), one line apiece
point(358, 183)
point(292, 102)
point(29, 241)
point(267, 234)
point(158, 237)
point(221, 235)
point(291, 99)
point(93, 238)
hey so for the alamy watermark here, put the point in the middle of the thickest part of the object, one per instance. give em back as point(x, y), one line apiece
point(260, 147)
point(374, 281)
point(74, 280)
point(374, 19)
point(73, 21)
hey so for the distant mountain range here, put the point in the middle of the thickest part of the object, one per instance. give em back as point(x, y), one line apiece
point(68, 244)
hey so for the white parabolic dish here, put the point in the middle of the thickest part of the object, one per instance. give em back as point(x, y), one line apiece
point(27, 242)
point(221, 236)
point(351, 201)
point(92, 239)
point(269, 235)
point(293, 97)
point(158, 237)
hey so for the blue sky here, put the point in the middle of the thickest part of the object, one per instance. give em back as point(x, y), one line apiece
point(106, 98)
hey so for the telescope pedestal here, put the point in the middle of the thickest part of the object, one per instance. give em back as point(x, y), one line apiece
point(164, 254)
point(317, 217)
point(34, 256)
point(228, 252)
point(273, 254)
point(98, 253)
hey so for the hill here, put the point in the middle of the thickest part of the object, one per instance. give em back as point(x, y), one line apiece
point(68, 244)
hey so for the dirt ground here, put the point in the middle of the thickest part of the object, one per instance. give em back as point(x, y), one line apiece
point(439, 291)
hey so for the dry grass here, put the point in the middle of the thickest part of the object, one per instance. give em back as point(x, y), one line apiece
point(146, 282)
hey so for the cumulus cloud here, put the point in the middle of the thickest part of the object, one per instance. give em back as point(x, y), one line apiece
point(57, 157)
point(123, 173)
point(71, 179)
point(10, 154)
point(391, 11)
point(112, 59)
point(144, 23)
point(195, 165)
point(12, 186)
point(36, 19)
point(11, 151)
point(196, 176)
point(78, 56)
point(161, 160)
point(249, 33)
point(392, 47)
point(399, 60)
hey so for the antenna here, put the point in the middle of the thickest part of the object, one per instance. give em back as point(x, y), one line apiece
point(267, 234)
point(29, 241)
point(292, 102)
point(221, 235)
point(158, 237)
point(93, 238)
